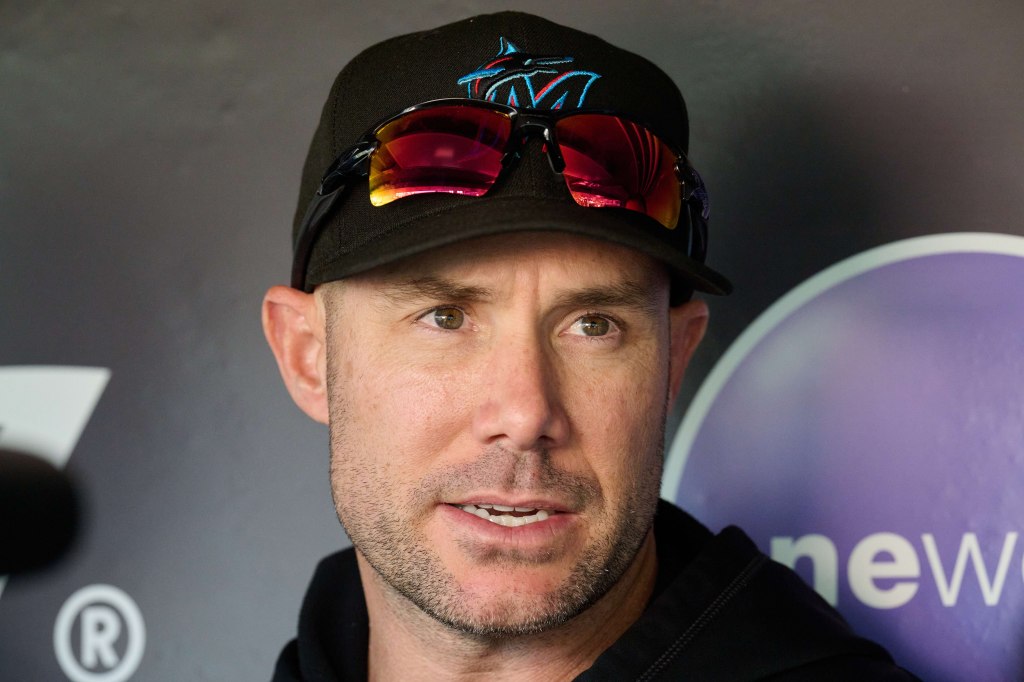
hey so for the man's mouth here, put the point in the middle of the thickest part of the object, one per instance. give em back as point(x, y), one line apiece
point(507, 516)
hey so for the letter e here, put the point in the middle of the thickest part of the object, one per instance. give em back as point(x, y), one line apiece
point(865, 568)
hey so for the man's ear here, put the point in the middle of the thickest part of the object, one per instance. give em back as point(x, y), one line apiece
point(688, 323)
point(294, 329)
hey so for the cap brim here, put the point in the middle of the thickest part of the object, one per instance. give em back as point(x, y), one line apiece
point(479, 217)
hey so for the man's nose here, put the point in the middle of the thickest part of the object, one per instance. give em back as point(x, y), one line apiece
point(520, 404)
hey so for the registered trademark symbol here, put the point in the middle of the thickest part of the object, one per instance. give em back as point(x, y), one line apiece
point(110, 635)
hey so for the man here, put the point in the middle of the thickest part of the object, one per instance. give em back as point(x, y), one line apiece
point(491, 308)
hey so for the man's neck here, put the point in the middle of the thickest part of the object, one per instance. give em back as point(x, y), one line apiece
point(407, 644)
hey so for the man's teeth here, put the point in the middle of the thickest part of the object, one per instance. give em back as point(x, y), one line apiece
point(503, 517)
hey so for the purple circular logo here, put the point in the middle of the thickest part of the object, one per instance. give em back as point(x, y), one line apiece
point(868, 430)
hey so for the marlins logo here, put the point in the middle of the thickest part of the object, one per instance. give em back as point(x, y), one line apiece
point(527, 80)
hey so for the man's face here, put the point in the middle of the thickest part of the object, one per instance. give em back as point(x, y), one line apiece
point(525, 372)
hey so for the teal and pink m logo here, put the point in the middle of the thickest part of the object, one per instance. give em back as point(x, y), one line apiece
point(520, 79)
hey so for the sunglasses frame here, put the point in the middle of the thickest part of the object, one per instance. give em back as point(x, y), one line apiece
point(354, 163)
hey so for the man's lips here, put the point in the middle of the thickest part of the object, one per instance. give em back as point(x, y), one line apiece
point(511, 515)
point(540, 533)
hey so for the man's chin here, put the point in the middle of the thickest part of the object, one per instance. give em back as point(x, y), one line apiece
point(510, 598)
point(509, 616)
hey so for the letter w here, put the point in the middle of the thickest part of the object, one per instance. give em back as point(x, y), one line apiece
point(949, 590)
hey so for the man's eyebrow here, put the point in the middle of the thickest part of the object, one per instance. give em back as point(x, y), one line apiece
point(620, 295)
point(434, 289)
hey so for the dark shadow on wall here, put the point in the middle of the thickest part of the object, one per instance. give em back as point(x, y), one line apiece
point(789, 198)
point(805, 174)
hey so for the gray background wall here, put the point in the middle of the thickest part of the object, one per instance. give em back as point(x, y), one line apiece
point(149, 161)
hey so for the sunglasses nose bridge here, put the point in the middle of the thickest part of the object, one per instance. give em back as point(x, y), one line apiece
point(544, 129)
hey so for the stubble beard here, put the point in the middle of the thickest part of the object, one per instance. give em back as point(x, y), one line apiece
point(381, 530)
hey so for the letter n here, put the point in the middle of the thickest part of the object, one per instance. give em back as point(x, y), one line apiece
point(824, 558)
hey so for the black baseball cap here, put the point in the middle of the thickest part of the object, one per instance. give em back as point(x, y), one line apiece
point(441, 63)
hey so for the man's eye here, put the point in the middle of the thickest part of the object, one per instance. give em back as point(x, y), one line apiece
point(446, 318)
point(593, 325)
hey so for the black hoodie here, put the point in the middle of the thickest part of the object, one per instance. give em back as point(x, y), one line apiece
point(721, 610)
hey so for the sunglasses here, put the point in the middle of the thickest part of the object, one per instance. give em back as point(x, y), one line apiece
point(462, 146)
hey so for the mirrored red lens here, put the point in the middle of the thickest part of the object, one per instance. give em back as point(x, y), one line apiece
point(453, 149)
point(613, 162)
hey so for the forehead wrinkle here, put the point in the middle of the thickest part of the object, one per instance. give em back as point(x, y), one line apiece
point(434, 288)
